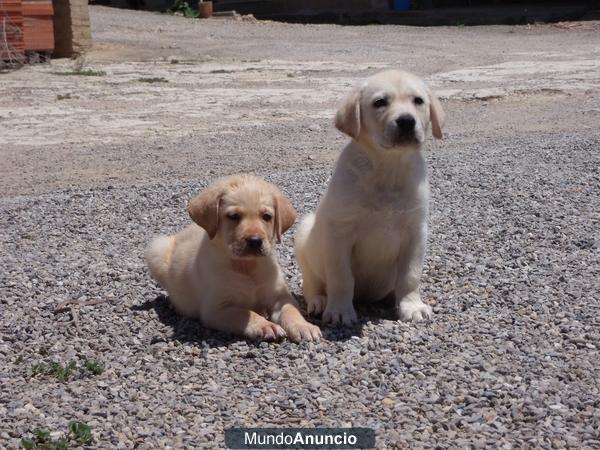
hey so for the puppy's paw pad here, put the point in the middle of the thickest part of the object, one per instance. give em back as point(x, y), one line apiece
point(298, 332)
point(414, 311)
point(340, 315)
point(315, 305)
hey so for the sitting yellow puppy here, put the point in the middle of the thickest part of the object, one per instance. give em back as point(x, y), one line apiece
point(223, 270)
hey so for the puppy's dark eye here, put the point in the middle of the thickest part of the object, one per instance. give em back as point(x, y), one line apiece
point(267, 217)
point(418, 101)
point(380, 103)
point(235, 217)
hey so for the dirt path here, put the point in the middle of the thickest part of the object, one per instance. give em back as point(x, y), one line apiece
point(173, 96)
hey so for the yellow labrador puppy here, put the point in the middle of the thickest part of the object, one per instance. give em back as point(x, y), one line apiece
point(367, 237)
point(223, 270)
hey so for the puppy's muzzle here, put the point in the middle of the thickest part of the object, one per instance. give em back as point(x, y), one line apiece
point(405, 128)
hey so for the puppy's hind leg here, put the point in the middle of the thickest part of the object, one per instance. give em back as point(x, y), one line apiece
point(340, 286)
point(158, 256)
point(314, 292)
point(313, 288)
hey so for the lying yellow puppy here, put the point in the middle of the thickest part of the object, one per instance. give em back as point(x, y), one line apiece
point(223, 270)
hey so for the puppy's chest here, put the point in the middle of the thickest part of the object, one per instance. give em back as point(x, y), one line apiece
point(388, 212)
point(384, 230)
point(382, 233)
point(390, 201)
point(250, 289)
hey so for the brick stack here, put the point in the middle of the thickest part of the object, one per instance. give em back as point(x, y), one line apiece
point(38, 25)
point(61, 28)
point(11, 30)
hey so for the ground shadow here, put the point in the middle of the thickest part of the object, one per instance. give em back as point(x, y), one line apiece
point(366, 311)
point(192, 331)
point(185, 329)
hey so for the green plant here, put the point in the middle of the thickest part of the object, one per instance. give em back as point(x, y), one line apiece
point(153, 80)
point(81, 72)
point(38, 369)
point(182, 7)
point(81, 433)
point(95, 367)
point(221, 71)
point(42, 441)
point(60, 372)
point(64, 373)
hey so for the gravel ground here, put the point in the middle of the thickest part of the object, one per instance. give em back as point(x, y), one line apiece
point(510, 358)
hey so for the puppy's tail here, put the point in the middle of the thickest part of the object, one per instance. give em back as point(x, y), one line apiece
point(158, 256)
point(304, 230)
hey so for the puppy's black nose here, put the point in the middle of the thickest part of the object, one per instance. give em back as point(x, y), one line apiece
point(406, 123)
point(254, 242)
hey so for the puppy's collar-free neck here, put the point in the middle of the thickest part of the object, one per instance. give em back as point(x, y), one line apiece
point(383, 168)
point(244, 266)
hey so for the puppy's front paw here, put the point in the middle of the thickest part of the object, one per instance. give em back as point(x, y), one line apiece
point(315, 304)
point(298, 331)
point(413, 309)
point(343, 314)
point(267, 331)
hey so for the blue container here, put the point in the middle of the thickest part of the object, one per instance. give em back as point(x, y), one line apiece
point(401, 5)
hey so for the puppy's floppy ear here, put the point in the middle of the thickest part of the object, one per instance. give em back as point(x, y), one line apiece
point(285, 214)
point(204, 209)
point(347, 118)
point(436, 116)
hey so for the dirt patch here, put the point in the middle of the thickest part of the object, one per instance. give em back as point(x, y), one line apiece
point(168, 96)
